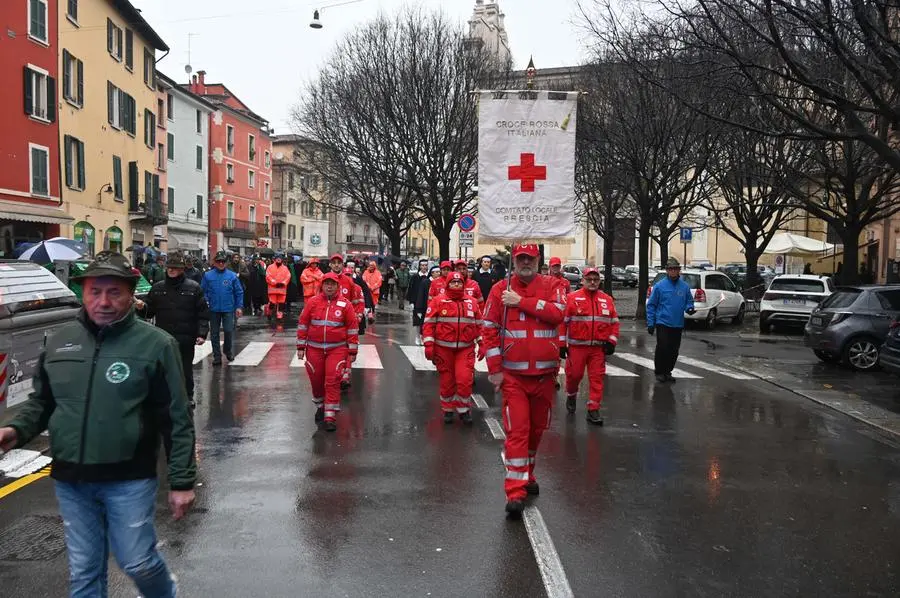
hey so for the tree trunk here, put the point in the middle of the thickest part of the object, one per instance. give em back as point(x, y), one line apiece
point(643, 278)
point(850, 269)
point(443, 238)
point(752, 284)
point(396, 242)
point(663, 252)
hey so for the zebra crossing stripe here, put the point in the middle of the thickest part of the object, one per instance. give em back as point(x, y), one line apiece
point(366, 359)
point(253, 354)
point(611, 370)
point(21, 462)
point(416, 356)
point(479, 401)
point(713, 368)
point(648, 363)
point(203, 351)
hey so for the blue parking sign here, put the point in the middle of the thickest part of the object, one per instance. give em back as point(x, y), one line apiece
point(686, 235)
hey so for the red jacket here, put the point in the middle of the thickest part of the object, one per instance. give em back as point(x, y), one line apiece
point(328, 324)
point(590, 319)
point(531, 337)
point(454, 324)
point(564, 283)
point(474, 291)
point(352, 292)
point(437, 287)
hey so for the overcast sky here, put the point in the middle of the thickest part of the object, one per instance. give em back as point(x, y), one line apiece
point(265, 52)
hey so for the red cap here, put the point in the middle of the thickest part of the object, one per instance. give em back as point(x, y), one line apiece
point(314, 260)
point(446, 264)
point(331, 276)
point(460, 261)
point(587, 271)
point(531, 250)
point(555, 261)
point(455, 276)
point(336, 256)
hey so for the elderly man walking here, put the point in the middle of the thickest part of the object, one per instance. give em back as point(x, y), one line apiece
point(669, 300)
point(109, 387)
point(225, 296)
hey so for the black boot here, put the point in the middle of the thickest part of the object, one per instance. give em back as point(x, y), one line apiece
point(661, 378)
point(594, 417)
point(670, 378)
point(558, 385)
point(320, 415)
point(570, 404)
point(448, 417)
point(344, 385)
point(514, 509)
point(217, 360)
point(330, 425)
point(466, 418)
point(532, 488)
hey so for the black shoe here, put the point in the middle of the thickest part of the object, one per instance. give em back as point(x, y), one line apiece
point(594, 417)
point(217, 361)
point(320, 415)
point(448, 417)
point(661, 378)
point(345, 385)
point(330, 426)
point(192, 404)
point(229, 357)
point(466, 418)
point(532, 488)
point(558, 386)
point(570, 404)
point(514, 509)
point(670, 378)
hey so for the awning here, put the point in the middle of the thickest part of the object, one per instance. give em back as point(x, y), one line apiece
point(177, 241)
point(14, 210)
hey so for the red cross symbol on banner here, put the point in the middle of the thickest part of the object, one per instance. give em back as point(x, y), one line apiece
point(527, 172)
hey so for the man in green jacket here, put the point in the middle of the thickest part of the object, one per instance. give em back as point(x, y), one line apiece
point(403, 277)
point(109, 386)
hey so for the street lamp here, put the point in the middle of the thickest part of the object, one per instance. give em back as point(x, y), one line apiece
point(315, 23)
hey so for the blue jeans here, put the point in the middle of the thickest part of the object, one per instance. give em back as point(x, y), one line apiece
point(226, 321)
point(98, 516)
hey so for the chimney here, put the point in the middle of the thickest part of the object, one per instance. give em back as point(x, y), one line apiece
point(202, 76)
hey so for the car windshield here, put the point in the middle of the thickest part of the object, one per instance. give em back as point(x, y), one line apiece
point(841, 299)
point(797, 285)
point(693, 280)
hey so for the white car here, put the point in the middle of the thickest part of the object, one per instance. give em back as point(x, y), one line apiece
point(716, 297)
point(790, 299)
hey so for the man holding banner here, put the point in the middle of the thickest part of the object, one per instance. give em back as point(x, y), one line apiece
point(526, 166)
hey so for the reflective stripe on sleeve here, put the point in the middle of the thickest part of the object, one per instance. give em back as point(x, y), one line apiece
point(515, 365)
point(329, 323)
point(613, 338)
point(490, 324)
point(494, 352)
point(546, 365)
point(545, 333)
point(452, 345)
point(428, 339)
point(560, 306)
point(514, 333)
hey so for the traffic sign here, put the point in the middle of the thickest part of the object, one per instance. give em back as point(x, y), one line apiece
point(466, 223)
point(467, 239)
point(687, 234)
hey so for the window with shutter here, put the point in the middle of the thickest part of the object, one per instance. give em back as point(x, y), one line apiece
point(40, 168)
point(67, 75)
point(199, 206)
point(37, 19)
point(129, 49)
point(110, 36)
point(50, 99)
point(81, 176)
point(170, 139)
point(72, 10)
point(29, 92)
point(199, 157)
point(80, 73)
point(117, 178)
point(133, 189)
point(170, 198)
point(67, 159)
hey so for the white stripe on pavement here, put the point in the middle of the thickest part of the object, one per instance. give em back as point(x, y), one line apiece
point(713, 368)
point(648, 363)
point(479, 401)
point(203, 351)
point(21, 462)
point(611, 370)
point(555, 581)
point(296, 362)
point(496, 428)
point(253, 354)
point(366, 359)
point(416, 356)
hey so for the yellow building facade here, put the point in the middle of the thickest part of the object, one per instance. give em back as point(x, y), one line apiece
point(109, 129)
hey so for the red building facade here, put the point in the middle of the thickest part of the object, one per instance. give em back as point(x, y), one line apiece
point(240, 172)
point(29, 144)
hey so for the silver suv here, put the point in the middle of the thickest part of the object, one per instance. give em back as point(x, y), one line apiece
point(790, 299)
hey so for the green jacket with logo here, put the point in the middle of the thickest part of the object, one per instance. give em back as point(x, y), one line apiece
point(108, 395)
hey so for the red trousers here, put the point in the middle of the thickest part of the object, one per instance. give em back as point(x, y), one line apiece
point(527, 403)
point(456, 372)
point(325, 368)
point(594, 359)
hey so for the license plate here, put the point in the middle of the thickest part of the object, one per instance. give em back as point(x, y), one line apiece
point(795, 301)
point(815, 321)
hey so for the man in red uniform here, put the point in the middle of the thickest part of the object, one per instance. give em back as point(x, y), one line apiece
point(450, 331)
point(555, 269)
point(278, 276)
point(471, 288)
point(438, 285)
point(328, 337)
point(521, 338)
point(592, 332)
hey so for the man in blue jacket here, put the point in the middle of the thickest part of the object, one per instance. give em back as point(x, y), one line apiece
point(668, 302)
point(225, 297)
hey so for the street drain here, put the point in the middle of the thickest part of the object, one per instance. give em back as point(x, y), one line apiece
point(33, 538)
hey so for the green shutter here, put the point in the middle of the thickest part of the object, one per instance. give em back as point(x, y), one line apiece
point(82, 183)
point(117, 177)
point(67, 80)
point(129, 48)
point(29, 92)
point(80, 66)
point(132, 186)
point(67, 159)
point(51, 99)
point(109, 36)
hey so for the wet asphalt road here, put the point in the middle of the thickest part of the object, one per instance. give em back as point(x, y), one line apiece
point(715, 486)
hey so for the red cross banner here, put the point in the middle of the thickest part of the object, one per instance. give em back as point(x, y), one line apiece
point(526, 166)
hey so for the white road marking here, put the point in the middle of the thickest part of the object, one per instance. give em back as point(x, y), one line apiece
point(496, 428)
point(648, 363)
point(416, 356)
point(253, 354)
point(555, 581)
point(713, 368)
point(611, 370)
point(203, 351)
point(366, 359)
point(21, 462)
point(479, 401)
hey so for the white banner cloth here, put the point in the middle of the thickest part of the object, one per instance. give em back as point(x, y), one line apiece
point(526, 167)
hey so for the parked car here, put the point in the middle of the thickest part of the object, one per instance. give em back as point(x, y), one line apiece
point(790, 299)
point(716, 297)
point(852, 324)
point(767, 274)
point(736, 272)
point(651, 274)
point(624, 277)
point(572, 273)
point(889, 356)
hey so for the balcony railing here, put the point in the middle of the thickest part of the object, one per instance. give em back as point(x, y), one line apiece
point(244, 228)
point(362, 240)
point(153, 211)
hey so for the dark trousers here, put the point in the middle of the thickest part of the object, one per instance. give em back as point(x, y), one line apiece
point(668, 342)
point(187, 364)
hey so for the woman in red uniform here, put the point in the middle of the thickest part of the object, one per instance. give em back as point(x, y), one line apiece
point(450, 332)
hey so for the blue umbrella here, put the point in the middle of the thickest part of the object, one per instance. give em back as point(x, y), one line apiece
point(21, 247)
point(48, 251)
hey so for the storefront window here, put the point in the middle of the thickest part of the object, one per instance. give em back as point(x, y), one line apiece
point(84, 232)
point(113, 240)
